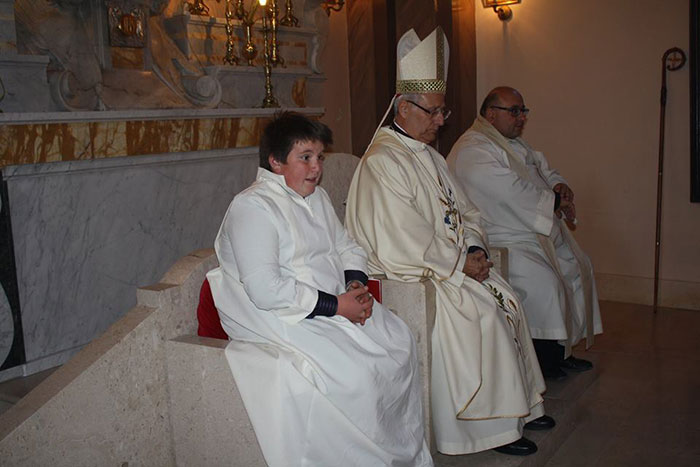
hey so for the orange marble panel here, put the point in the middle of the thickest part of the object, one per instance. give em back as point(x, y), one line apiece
point(299, 92)
point(50, 142)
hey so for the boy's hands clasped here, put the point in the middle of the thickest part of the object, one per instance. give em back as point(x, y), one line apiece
point(356, 304)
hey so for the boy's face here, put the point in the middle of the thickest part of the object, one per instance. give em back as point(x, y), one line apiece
point(303, 168)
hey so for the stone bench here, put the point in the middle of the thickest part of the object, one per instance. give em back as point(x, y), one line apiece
point(150, 392)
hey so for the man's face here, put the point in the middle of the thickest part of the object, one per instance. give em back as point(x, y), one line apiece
point(419, 123)
point(506, 124)
point(303, 168)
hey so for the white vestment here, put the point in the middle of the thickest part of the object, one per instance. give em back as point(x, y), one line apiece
point(415, 223)
point(514, 210)
point(321, 391)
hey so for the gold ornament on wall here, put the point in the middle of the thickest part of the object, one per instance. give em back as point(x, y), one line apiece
point(127, 28)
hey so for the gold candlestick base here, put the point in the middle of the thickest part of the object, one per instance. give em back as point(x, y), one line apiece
point(288, 19)
point(230, 57)
point(249, 50)
point(270, 102)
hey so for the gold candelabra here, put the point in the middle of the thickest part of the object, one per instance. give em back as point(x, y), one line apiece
point(288, 19)
point(249, 49)
point(230, 57)
point(269, 100)
point(240, 10)
point(275, 57)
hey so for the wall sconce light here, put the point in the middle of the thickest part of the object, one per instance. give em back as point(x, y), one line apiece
point(501, 7)
point(332, 5)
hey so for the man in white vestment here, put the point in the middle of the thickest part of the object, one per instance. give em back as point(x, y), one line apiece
point(328, 377)
point(416, 224)
point(523, 204)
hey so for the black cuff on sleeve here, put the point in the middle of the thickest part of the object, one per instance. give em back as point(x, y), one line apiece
point(474, 249)
point(355, 275)
point(327, 305)
point(557, 200)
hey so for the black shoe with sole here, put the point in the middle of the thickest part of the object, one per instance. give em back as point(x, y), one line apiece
point(545, 422)
point(576, 364)
point(521, 447)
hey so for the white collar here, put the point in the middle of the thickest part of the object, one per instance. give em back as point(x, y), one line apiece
point(277, 179)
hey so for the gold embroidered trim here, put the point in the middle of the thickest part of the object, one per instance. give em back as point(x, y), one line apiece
point(440, 51)
point(421, 86)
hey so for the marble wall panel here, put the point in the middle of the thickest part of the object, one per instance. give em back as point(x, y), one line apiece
point(32, 143)
point(291, 88)
point(87, 233)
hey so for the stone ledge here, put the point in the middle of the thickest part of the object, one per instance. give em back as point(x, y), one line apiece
point(20, 118)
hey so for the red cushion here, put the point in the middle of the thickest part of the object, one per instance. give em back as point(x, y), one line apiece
point(207, 316)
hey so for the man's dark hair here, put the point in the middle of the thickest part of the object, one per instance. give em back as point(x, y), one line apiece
point(491, 99)
point(287, 129)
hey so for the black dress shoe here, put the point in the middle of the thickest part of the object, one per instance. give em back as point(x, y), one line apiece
point(554, 374)
point(576, 364)
point(545, 422)
point(521, 447)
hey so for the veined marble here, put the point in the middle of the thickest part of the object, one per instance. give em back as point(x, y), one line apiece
point(50, 141)
point(88, 233)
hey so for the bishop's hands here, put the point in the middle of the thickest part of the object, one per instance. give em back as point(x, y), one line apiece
point(477, 266)
point(566, 201)
point(356, 304)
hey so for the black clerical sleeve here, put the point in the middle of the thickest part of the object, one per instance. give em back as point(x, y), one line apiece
point(326, 305)
point(355, 275)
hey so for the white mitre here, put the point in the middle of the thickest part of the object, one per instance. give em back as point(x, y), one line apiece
point(421, 66)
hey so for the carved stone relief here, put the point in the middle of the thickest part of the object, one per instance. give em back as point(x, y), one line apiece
point(118, 54)
point(56, 29)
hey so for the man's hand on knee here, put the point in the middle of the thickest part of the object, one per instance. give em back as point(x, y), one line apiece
point(477, 266)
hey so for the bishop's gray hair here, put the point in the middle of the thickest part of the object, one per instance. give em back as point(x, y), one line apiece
point(405, 97)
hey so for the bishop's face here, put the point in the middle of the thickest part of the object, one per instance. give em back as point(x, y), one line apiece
point(303, 168)
point(422, 123)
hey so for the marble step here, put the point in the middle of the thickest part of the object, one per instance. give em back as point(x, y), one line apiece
point(562, 402)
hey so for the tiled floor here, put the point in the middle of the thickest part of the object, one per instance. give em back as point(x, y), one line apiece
point(639, 407)
point(644, 409)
